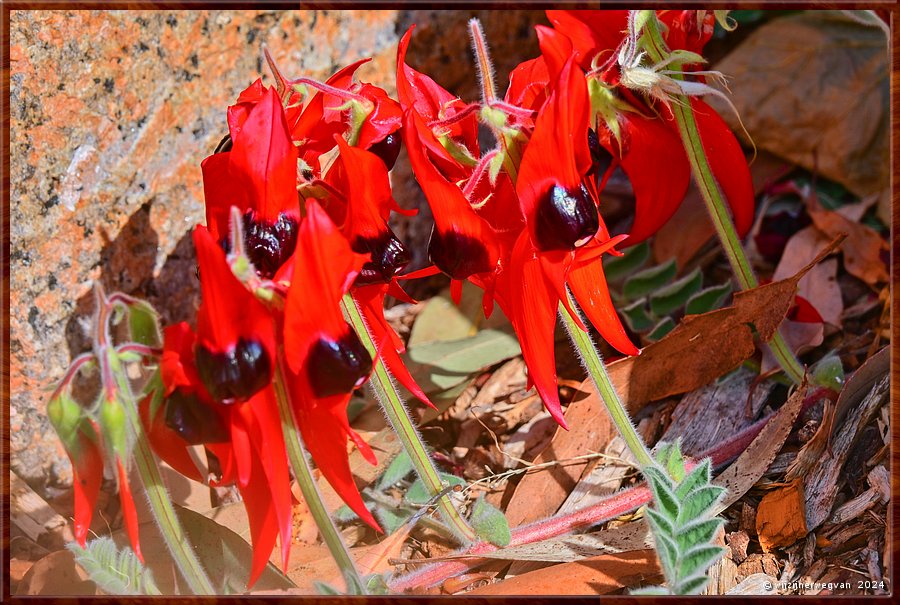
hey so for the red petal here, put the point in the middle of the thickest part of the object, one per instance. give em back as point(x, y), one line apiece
point(530, 301)
point(558, 152)
point(588, 284)
point(654, 160)
point(261, 516)
point(389, 345)
point(591, 32)
point(243, 447)
point(324, 268)
point(386, 116)
point(129, 511)
point(221, 193)
point(249, 97)
point(324, 426)
point(528, 84)
point(177, 364)
point(728, 164)
point(265, 159)
point(555, 48)
point(87, 467)
point(363, 179)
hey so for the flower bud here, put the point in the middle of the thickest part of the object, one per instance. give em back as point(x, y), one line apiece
point(114, 425)
point(65, 415)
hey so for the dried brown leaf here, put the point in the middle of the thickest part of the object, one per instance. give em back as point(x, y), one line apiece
point(781, 517)
point(595, 576)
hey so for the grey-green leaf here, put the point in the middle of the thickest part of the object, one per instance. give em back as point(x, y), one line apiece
point(636, 316)
point(707, 299)
point(116, 572)
point(699, 476)
point(666, 325)
point(674, 296)
point(699, 532)
point(649, 280)
point(418, 493)
point(616, 268)
point(398, 469)
point(490, 523)
point(698, 502)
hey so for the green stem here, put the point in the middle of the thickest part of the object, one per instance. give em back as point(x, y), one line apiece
point(300, 463)
point(397, 415)
point(597, 371)
point(712, 195)
point(161, 504)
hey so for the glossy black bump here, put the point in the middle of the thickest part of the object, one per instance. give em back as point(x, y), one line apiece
point(601, 159)
point(389, 257)
point(236, 375)
point(458, 255)
point(565, 219)
point(269, 245)
point(193, 420)
point(224, 145)
point(387, 149)
point(338, 366)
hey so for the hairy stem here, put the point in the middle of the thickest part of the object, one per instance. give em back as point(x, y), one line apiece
point(300, 463)
point(392, 404)
point(712, 194)
point(597, 371)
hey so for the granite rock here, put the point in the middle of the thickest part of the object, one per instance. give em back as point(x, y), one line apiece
point(108, 128)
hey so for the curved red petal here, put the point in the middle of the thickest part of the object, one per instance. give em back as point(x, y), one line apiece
point(591, 32)
point(177, 363)
point(558, 152)
point(220, 193)
point(324, 268)
point(556, 49)
point(261, 517)
point(87, 468)
point(264, 158)
point(228, 310)
point(588, 285)
point(129, 511)
point(531, 304)
point(528, 84)
point(653, 157)
point(363, 179)
point(242, 446)
point(728, 164)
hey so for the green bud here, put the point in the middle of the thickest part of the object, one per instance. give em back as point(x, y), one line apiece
point(143, 324)
point(65, 415)
point(829, 372)
point(114, 424)
point(493, 116)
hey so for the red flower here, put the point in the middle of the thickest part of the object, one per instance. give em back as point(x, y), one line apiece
point(325, 357)
point(648, 148)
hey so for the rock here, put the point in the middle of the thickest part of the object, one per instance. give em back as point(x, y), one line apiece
point(107, 132)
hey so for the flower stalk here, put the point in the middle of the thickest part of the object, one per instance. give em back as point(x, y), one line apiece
point(392, 404)
point(599, 376)
point(710, 191)
point(299, 459)
point(161, 508)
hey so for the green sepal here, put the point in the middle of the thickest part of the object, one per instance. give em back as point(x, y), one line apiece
point(490, 523)
point(143, 324)
point(66, 416)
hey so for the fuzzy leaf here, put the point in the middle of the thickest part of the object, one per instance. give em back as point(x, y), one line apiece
point(707, 299)
point(616, 268)
point(670, 457)
point(649, 280)
point(698, 560)
point(674, 296)
point(326, 589)
point(698, 533)
point(399, 468)
point(663, 496)
point(637, 317)
point(697, 478)
point(418, 494)
point(116, 572)
point(665, 326)
point(490, 523)
point(650, 591)
point(389, 519)
point(692, 585)
point(699, 502)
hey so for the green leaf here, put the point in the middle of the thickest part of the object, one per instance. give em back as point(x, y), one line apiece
point(650, 591)
point(441, 319)
point(398, 469)
point(637, 317)
point(616, 268)
point(376, 584)
point(390, 519)
point(437, 366)
point(707, 299)
point(698, 502)
point(829, 372)
point(670, 458)
point(667, 552)
point(662, 523)
point(490, 523)
point(698, 560)
point(674, 296)
point(661, 329)
point(418, 493)
point(344, 514)
point(143, 324)
point(697, 478)
point(116, 572)
point(692, 585)
point(698, 532)
point(663, 496)
point(649, 280)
